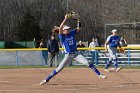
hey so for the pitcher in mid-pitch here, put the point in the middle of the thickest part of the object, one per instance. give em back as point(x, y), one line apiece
point(68, 41)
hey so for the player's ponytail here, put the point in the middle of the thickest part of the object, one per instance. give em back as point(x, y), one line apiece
point(55, 29)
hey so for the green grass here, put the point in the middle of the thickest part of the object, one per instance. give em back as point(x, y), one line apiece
point(18, 67)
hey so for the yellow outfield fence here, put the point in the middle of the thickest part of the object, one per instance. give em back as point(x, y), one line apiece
point(96, 48)
point(39, 56)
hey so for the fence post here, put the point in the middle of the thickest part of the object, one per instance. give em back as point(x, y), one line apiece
point(17, 58)
point(41, 55)
point(129, 57)
point(96, 63)
point(93, 57)
point(44, 57)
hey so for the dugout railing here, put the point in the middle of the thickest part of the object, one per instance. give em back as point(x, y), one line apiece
point(39, 56)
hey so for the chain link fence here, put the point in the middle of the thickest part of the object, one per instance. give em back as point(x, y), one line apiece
point(39, 57)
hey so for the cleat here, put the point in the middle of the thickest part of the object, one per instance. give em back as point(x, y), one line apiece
point(43, 82)
point(118, 69)
point(106, 70)
point(102, 76)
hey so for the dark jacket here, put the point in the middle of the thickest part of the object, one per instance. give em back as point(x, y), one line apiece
point(53, 46)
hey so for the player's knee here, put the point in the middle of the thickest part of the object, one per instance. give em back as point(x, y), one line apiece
point(59, 68)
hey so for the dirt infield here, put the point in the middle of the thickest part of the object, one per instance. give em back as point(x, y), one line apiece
point(70, 80)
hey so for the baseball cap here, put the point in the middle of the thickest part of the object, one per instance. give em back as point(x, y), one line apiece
point(66, 27)
point(114, 30)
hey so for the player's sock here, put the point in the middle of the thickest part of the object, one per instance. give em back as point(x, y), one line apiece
point(94, 69)
point(115, 63)
point(108, 64)
point(51, 75)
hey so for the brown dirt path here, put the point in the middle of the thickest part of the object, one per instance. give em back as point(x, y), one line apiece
point(70, 80)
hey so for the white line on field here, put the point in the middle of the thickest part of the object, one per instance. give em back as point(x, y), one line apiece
point(120, 86)
point(68, 89)
point(4, 81)
point(19, 90)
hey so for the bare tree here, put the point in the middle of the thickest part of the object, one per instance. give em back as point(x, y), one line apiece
point(48, 13)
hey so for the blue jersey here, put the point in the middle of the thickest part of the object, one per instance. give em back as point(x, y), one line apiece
point(113, 40)
point(68, 41)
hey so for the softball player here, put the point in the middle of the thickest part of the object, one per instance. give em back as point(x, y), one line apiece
point(68, 41)
point(113, 43)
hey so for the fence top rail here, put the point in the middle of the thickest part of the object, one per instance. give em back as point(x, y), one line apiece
point(95, 48)
point(103, 48)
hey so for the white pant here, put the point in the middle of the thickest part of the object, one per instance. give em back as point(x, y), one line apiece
point(112, 52)
point(68, 58)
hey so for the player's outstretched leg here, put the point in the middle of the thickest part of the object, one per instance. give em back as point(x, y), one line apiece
point(116, 65)
point(49, 77)
point(91, 66)
point(84, 61)
point(67, 59)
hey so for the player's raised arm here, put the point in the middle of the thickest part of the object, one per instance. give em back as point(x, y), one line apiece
point(78, 25)
point(62, 24)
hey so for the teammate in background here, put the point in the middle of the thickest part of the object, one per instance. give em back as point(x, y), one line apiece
point(53, 49)
point(44, 52)
point(123, 41)
point(111, 45)
point(80, 44)
point(94, 44)
point(67, 38)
